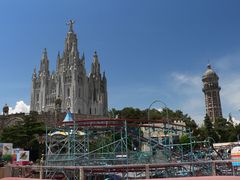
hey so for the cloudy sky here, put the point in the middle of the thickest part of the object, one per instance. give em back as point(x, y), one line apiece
point(150, 50)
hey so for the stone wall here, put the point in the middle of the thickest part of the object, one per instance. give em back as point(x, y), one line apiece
point(49, 118)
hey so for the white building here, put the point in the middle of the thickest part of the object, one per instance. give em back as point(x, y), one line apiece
point(82, 93)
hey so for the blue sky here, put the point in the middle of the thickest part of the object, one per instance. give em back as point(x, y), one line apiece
point(149, 49)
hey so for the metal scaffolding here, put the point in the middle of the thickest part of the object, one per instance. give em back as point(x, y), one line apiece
point(112, 142)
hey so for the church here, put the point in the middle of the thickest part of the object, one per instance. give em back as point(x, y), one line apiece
point(70, 87)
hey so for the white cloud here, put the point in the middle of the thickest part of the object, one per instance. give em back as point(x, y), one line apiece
point(187, 80)
point(160, 109)
point(235, 120)
point(231, 92)
point(188, 88)
point(20, 107)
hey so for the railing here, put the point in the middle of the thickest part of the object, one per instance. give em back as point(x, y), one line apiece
point(201, 168)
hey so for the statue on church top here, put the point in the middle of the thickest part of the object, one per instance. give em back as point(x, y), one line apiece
point(70, 24)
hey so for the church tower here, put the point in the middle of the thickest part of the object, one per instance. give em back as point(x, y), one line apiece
point(78, 92)
point(211, 91)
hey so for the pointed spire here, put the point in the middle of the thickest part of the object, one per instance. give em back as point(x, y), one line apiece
point(95, 54)
point(83, 60)
point(44, 67)
point(58, 61)
point(70, 43)
point(95, 65)
point(83, 56)
point(104, 77)
point(44, 56)
point(34, 73)
point(95, 57)
point(68, 117)
point(58, 55)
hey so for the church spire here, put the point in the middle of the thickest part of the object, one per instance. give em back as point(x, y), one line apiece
point(44, 67)
point(95, 65)
point(58, 60)
point(83, 56)
point(95, 57)
point(69, 81)
point(34, 76)
point(104, 78)
point(70, 42)
point(58, 55)
point(44, 56)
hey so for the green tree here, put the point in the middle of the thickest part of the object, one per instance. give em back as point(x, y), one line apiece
point(153, 114)
point(225, 129)
point(202, 133)
point(131, 113)
point(210, 132)
point(184, 139)
point(26, 135)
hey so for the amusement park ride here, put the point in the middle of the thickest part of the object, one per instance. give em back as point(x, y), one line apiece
point(124, 148)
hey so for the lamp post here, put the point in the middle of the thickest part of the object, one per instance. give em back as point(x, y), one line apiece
point(213, 164)
point(211, 141)
point(165, 106)
point(41, 167)
point(41, 141)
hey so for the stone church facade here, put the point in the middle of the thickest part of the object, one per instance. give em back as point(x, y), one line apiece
point(70, 85)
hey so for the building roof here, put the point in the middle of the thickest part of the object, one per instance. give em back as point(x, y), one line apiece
point(209, 72)
point(68, 117)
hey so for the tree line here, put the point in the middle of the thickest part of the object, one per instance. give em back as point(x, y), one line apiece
point(28, 134)
point(221, 130)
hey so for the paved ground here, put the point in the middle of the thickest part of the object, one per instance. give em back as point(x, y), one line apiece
point(181, 178)
point(203, 178)
point(13, 178)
